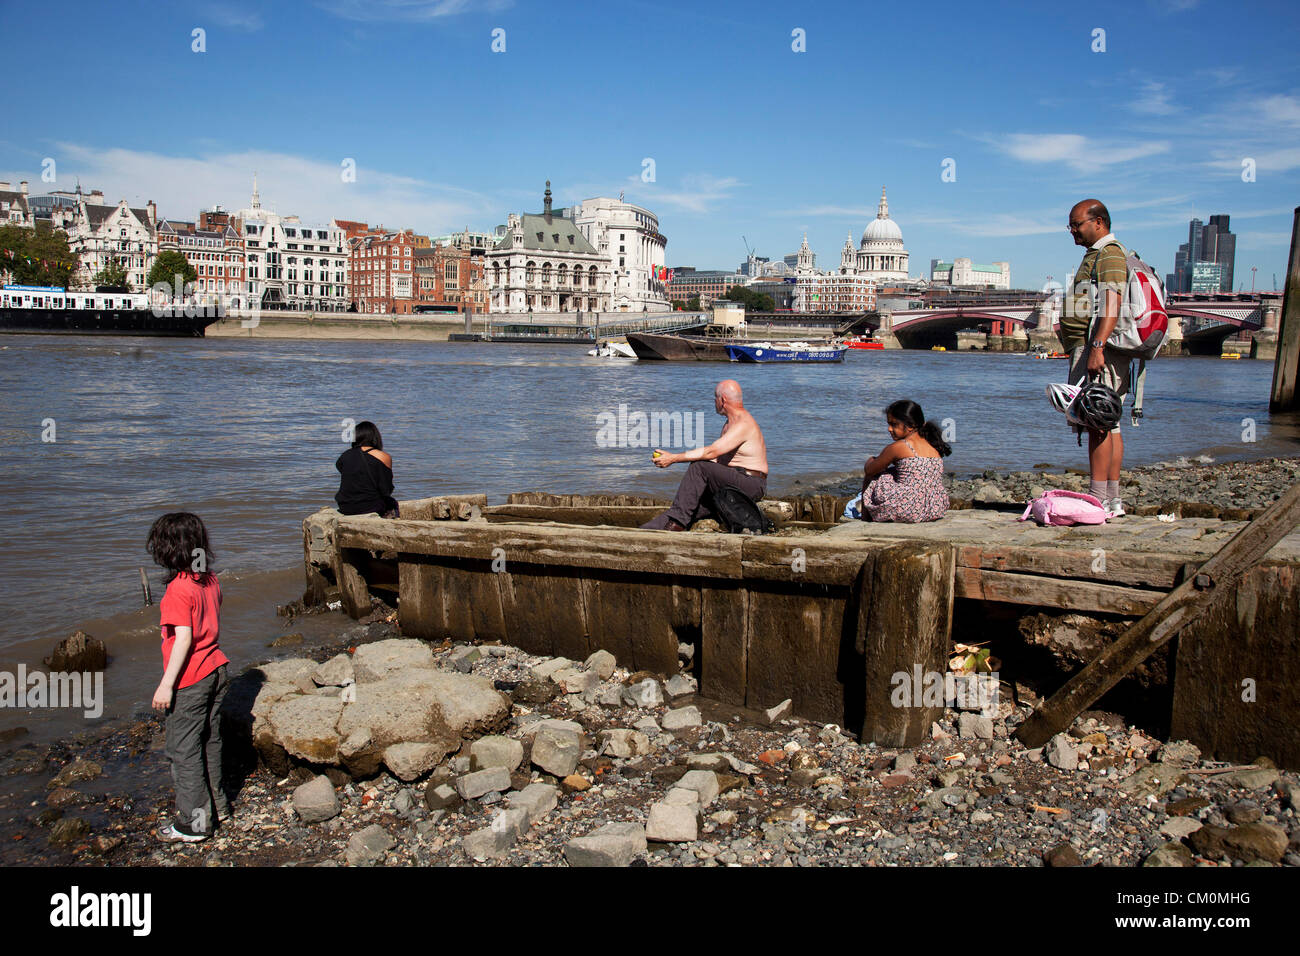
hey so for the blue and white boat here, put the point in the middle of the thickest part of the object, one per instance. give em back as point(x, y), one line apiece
point(786, 352)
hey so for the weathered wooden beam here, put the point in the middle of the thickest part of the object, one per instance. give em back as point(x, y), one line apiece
point(904, 623)
point(584, 501)
point(350, 570)
point(619, 516)
point(438, 508)
point(1285, 394)
point(724, 642)
point(645, 552)
point(1038, 591)
point(1237, 671)
point(1222, 572)
point(808, 560)
point(1114, 566)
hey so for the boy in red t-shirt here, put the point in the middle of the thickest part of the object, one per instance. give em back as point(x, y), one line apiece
point(194, 679)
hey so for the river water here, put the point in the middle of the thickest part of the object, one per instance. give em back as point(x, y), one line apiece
point(245, 434)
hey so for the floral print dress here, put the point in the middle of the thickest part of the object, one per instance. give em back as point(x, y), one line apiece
point(908, 490)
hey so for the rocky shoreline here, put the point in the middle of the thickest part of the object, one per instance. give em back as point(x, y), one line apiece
point(1187, 488)
point(583, 763)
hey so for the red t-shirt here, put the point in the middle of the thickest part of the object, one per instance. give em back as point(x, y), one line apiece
point(187, 603)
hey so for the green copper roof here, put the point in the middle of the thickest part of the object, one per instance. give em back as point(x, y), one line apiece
point(559, 235)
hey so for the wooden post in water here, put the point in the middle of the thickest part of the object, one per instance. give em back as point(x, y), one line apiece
point(1285, 396)
point(144, 586)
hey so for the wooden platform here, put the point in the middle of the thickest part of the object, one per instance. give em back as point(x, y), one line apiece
point(825, 615)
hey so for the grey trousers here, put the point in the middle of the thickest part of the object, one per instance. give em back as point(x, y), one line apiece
point(194, 749)
point(694, 499)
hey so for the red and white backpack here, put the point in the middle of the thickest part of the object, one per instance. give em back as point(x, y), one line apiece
point(1143, 321)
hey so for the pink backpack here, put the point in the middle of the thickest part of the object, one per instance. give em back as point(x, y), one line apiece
point(1060, 507)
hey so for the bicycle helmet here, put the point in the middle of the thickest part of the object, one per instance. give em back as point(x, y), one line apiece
point(1097, 407)
point(1061, 396)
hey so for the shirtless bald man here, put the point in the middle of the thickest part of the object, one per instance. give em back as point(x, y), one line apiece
point(737, 459)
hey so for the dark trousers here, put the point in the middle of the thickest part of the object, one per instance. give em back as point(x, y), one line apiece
point(194, 749)
point(694, 500)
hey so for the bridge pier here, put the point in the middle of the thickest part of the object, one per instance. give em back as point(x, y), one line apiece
point(1174, 340)
point(885, 334)
point(972, 341)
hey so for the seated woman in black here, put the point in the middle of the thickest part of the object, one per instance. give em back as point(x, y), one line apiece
point(367, 475)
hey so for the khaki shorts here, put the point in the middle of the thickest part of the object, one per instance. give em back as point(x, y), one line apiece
point(1116, 373)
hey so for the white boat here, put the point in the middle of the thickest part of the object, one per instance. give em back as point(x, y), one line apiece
point(612, 350)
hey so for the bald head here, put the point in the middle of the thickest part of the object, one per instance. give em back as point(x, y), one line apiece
point(730, 391)
point(1091, 209)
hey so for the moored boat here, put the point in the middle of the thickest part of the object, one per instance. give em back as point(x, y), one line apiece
point(54, 310)
point(785, 352)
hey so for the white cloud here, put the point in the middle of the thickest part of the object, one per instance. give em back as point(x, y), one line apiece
point(307, 187)
point(1153, 100)
point(1080, 152)
point(1176, 6)
point(698, 193)
point(1280, 109)
point(228, 15)
point(1262, 240)
point(407, 10)
point(1266, 161)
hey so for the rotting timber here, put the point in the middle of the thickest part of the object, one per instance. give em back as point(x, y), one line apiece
point(824, 614)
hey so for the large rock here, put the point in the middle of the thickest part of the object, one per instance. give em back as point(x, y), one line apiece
point(682, 718)
point(412, 759)
point(307, 727)
point(614, 844)
point(368, 846)
point(536, 799)
point(474, 785)
point(316, 800)
point(546, 669)
point(574, 680)
point(495, 751)
point(1250, 778)
point(80, 653)
point(296, 671)
point(1061, 752)
point(1171, 854)
point(469, 703)
point(556, 751)
point(1253, 841)
point(335, 672)
point(973, 725)
point(602, 663)
point(374, 662)
point(624, 743)
point(77, 771)
point(397, 710)
point(646, 693)
point(673, 823)
point(703, 782)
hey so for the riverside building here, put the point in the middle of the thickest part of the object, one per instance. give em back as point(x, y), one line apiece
point(963, 272)
point(544, 263)
point(101, 234)
point(290, 264)
point(628, 237)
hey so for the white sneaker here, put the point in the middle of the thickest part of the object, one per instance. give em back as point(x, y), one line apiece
point(1114, 507)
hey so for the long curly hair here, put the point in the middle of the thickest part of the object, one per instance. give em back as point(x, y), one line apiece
point(178, 542)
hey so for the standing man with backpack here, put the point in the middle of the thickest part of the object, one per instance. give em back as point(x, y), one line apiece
point(1091, 311)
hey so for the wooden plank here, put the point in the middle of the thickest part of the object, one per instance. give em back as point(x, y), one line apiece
point(544, 612)
point(419, 599)
point(1040, 591)
point(808, 560)
point(724, 642)
point(454, 587)
point(795, 647)
point(353, 590)
point(632, 619)
point(644, 552)
point(1120, 567)
point(545, 499)
point(439, 507)
point(1237, 671)
point(1285, 393)
point(619, 516)
point(904, 624)
point(1178, 609)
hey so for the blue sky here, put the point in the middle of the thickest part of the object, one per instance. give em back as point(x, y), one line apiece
point(747, 136)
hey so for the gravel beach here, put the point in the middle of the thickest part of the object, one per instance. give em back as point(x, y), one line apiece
point(785, 793)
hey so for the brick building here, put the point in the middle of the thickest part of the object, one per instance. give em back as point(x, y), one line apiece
point(449, 276)
point(381, 279)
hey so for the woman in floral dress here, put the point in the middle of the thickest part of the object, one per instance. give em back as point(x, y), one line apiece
point(905, 481)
